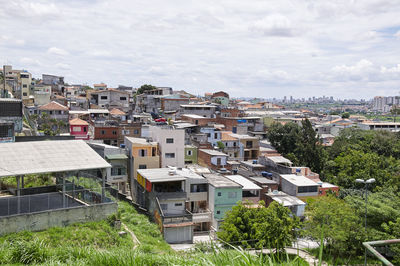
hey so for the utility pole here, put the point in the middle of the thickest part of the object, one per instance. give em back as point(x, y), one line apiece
point(3, 92)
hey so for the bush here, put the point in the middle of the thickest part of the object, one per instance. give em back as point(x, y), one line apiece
point(34, 251)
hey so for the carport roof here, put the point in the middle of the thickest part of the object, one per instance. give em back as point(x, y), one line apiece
point(36, 157)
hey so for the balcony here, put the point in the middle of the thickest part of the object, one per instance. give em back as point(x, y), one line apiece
point(170, 195)
point(202, 216)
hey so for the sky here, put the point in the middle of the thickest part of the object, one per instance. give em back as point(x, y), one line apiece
point(340, 48)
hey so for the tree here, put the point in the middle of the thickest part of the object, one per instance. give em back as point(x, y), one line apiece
point(144, 88)
point(346, 115)
point(261, 227)
point(220, 145)
point(299, 143)
point(338, 225)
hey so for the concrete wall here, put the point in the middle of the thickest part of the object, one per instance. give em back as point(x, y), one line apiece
point(161, 135)
point(62, 217)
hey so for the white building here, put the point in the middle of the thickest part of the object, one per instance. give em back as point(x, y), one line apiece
point(171, 143)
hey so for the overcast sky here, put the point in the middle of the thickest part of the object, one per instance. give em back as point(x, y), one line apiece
point(342, 48)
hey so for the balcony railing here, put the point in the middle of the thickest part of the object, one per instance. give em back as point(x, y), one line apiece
point(170, 195)
point(201, 216)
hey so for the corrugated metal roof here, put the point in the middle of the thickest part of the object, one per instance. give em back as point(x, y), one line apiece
point(35, 157)
point(244, 182)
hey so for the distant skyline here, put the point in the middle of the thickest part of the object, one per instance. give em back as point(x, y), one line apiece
point(342, 48)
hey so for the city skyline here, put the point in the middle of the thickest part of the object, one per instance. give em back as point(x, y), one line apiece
point(341, 49)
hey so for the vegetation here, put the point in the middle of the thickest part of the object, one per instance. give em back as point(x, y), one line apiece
point(33, 180)
point(220, 145)
point(144, 88)
point(337, 223)
point(261, 227)
point(300, 144)
point(346, 115)
point(98, 243)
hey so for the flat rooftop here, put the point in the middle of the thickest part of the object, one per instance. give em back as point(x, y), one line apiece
point(36, 157)
point(194, 116)
point(213, 152)
point(299, 180)
point(263, 180)
point(141, 141)
point(284, 199)
point(220, 181)
point(158, 175)
point(244, 182)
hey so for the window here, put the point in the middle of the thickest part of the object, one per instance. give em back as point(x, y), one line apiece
point(114, 132)
point(218, 212)
point(198, 188)
point(249, 144)
point(142, 166)
point(84, 129)
point(307, 189)
point(208, 135)
point(136, 131)
point(76, 129)
point(24, 86)
point(170, 140)
point(170, 155)
point(189, 153)
point(215, 135)
point(218, 161)
point(51, 112)
point(104, 97)
point(59, 112)
point(196, 122)
point(232, 195)
point(219, 194)
point(164, 207)
point(117, 170)
point(122, 98)
point(142, 153)
point(25, 94)
point(234, 144)
point(153, 151)
point(125, 132)
point(103, 132)
point(178, 204)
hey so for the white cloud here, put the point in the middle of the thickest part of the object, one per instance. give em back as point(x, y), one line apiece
point(273, 25)
point(210, 45)
point(56, 51)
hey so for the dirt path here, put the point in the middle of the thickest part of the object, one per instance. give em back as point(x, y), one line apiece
point(135, 241)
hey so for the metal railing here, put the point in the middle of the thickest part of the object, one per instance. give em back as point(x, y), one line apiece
point(370, 247)
point(31, 203)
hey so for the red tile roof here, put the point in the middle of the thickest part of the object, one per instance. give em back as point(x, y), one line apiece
point(78, 122)
point(53, 106)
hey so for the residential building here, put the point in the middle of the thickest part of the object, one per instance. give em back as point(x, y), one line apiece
point(190, 154)
point(41, 94)
point(223, 194)
point(56, 82)
point(295, 205)
point(251, 192)
point(221, 98)
point(199, 109)
point(150, 101)
point(110, 98)
point(100, 87)
point(143, 154)
point(232, 147)
point(299, 186)
point(267, 185)
point(117, 175)
point(171, 143)
point(198, 120)
point(213, 134)
point(10, 119)
point(163, 193)
point(249, 147)
point(79, 128)
point(213, 159)
point(54, 110)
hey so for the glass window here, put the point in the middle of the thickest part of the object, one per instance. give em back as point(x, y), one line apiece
point(219, 194)
point(104, 97)
point(117, 170)
point(232, 195)
point(189, 153)
point(170, 155)
point(122, 98)
point(170, 140)
point(114, 132)
point(103, 132)
point(218, 212)
point(136, 131)
point(178, 204)
point(142, 166)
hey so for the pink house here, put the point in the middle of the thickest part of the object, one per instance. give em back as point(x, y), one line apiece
point(79, 128)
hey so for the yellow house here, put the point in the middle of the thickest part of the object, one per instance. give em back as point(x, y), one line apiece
point(142, 155)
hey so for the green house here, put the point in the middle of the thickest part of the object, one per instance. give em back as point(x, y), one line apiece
point(190, 154)
point(223, 194)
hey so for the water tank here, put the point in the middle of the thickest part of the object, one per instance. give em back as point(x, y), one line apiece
point(254, 161)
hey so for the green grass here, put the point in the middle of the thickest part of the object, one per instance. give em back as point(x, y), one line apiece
point(29, 181)
point(98, 243)
point(352, 260)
